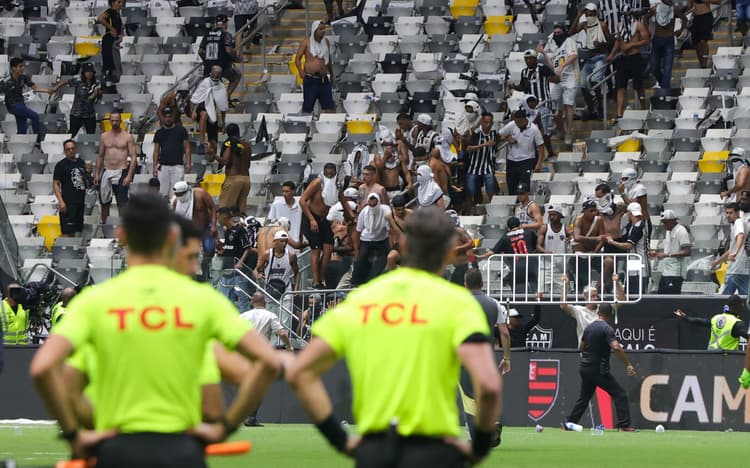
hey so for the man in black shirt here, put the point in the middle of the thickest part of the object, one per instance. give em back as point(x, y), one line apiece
point(234, 251)
point(14, 86)
point(69, 183)
point(521, 242)
point(518, 330)
point(217, 48)
point(596, 345)
point(172, 157)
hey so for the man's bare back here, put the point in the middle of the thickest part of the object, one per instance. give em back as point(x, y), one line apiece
point(442, 174)
point(202, 209)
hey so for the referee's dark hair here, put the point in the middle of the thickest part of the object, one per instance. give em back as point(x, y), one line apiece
point(188, 228)
point(146, 220)
point(473, 278)
point(430, 234)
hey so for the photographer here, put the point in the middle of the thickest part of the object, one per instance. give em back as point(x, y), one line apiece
point(13, 317)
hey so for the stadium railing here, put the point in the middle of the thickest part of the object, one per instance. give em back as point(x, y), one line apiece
point(8, 244)
point(538, 278)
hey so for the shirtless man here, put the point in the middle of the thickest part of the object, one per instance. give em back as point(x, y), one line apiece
point(113, 173)
point(316, 201)
point(392, 166)
point(588, 236)
point(397, 220)
point(317, 74)
point(662, 43)
point(235, 155)
point(442, 173)
point(370, 185)
point(464, 245)
point(610, 213)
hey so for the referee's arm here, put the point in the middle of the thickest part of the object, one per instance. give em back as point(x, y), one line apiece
point(478, 359)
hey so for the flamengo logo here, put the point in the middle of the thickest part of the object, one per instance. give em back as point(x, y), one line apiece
point(544, 382)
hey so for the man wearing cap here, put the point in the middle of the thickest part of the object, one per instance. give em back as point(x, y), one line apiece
point(337, 213)
point(561, 54)
point(675, 249)
point(527, 211)
point(726, 328)
point(526, 152)
point(218, 48)
point(317, 74)
point(371, 240)
point(518, 330)
point(278, 267)
point(172, 157)
point(738, 177)
point(737, 269)
point(87, 90)
point(425, 139)
point(633, 239)
point(178, 101)
point(198, 205)
point(633, 191)
point(593, 53)
point(288, 207)
point(553, 238)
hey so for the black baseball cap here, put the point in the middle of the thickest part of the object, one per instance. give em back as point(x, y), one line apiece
point(513, 222)
point(589, 204)
point(520, 114)
point(221, 18)
point(87, 67)
point(167, 110)
point(523, 187)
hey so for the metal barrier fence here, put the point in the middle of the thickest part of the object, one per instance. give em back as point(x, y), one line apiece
point(561, 278)
point(308, 305)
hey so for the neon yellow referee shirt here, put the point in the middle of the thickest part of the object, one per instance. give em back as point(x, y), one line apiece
point(399, 335)
point(149, 328)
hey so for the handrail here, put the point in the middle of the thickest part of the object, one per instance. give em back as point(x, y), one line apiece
point(603, 85)
point(49, 269)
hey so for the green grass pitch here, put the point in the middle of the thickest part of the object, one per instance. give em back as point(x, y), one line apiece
point(299, 446)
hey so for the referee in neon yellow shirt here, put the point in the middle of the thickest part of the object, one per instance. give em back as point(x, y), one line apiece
point(404, 336)
point(149, 328)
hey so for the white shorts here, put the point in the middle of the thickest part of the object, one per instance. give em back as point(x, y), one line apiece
point(111, 187)
point(559, 92)
point(168, 176)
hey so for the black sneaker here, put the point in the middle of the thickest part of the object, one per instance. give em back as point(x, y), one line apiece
point(499, 440)
point(252, 422)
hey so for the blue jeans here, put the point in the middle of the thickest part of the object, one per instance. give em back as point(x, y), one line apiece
point(662, 57)
point(589, 66)
point(226, 287)
point(473, 182)
point(743, 12)
point(735, 283)
point(22, 115)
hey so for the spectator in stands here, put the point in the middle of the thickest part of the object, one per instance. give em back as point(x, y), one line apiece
point(198, 205)
point(317, 199)
point(115, 165)
point(542, 117)
point(561, 54)
point(423, 140)
point(111, 64)
point(526, 152)
point(737, 275)
point(235, 250)
point(518, 330)
point(311, 313)
point(337, 213)
point(355, 164)
point(404, 135)
point(172, 158)
point(86, 89)
point(702, 27)
point(461, 250)
point(209, 108)
point(244, 10)
point(739, 175)
point(69, 183)
point(428, 191)
point(518, 242)
point(14, 86)
point(339, 271)
point(154, 185)
point(726, 328)
point(586, 313)
point(370, 185)
point(662, 44)
point(610, 212)
point(588, 237)
point(218, 48)
point(593, 54)
point(393, 167)
point(480, 170)
point(675, 249)
point(317, 74)
point(631, 36)
point(633, 191)
point(633, 239)
point(554, 236)
point(535, 80)
point(278, 267)
point(329, 9)
point(288, 207)
point(371, 240)
point(396, 220)
point(465, 126)
point(527, 211)
point(235, 155)
point(178, 101)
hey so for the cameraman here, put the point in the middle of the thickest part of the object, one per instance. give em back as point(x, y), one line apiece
point(14, 319)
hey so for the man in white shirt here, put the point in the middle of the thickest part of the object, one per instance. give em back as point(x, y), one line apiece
point(265, 323)
point(290, 209)
point(676, 247)
point(526, 151)
point(586, 314)
point(371, 240)
point(561, 54)
point(737, 276)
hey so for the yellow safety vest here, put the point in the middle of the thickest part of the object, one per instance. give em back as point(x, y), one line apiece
point(15, 324)
point(721, 332)
point(57, 313)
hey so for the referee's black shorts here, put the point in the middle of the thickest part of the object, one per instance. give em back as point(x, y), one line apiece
point(380, 451)
point(151, 450)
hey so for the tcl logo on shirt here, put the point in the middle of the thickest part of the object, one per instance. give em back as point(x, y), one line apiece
point(394, 313)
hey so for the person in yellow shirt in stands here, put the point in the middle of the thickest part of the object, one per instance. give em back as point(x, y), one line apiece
point(403, 348)
point(15, 319)
point(147, 327)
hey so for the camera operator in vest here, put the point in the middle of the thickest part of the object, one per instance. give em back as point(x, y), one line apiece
point(726, 327)
point(13, 315)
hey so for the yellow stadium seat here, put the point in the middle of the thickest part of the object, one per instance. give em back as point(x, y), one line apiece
point(293, 68)
point(631, 145)
point(713, 161)
point(88, 45)
point(464, 8)
point(721, 274)
point(498, 25)
point(212, 184)
point(49, 228)
point(360, 124)
point(107, 126)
